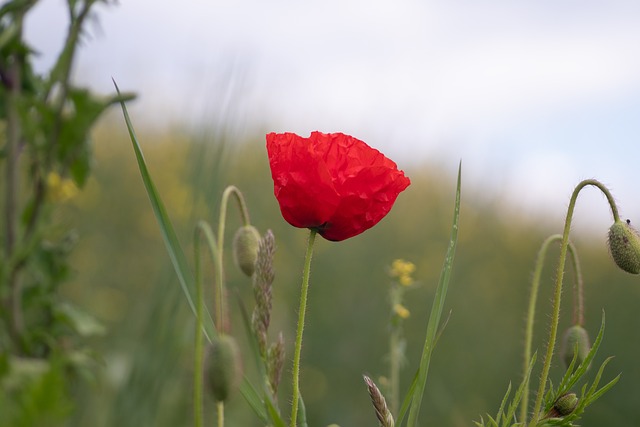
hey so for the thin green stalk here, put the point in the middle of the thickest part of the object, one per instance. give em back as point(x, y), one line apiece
point(202, 230)
point(395, 350)
point(300, 329)
point(220, 414)
point(394, 370)
point(197, 371)
point(244, 213)
point(555, 316)
point(535, 286)
point(578, 290)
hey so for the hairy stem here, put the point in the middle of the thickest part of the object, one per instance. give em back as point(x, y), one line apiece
point(555, 316)
point(244, 213)
point(300, 329)
point(533, 298)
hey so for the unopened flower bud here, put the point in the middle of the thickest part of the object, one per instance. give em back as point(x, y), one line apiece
point(624, 245)
point(245, 248)
point(575, 339)
point(563, 406)
point(223, 367)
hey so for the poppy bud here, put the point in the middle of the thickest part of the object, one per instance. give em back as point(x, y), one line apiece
point(563, 406)
point(245, 248)
point(223, 368)
point(575, 335)
point(624, 245)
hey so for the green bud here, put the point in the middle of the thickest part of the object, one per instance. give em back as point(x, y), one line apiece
point(245, 248)
point(223, 367)
point(575, 335)
point(624, 246)
point(563, 406)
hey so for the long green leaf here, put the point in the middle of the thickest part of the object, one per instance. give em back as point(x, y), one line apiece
point(436, 313)
point(252, 397)
point(176, 254)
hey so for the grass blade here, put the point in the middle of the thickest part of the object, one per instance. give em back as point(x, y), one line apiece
point(176, 254)
point(436, 313)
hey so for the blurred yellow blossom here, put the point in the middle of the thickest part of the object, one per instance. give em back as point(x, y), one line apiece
point(403, 270)
point(401, 311)
point(60, 189)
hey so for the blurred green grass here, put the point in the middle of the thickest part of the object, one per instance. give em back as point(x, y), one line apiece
point(124, 277)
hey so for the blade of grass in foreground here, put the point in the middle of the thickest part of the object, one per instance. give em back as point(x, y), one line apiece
point(436, 314)
point(176, 254)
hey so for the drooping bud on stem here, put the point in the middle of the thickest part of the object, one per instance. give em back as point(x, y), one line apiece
point(245, 248)
point(576, 339)
point(624, 246)
point(223, 368)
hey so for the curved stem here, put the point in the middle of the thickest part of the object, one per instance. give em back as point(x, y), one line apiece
point(533, 298)
point(244, 213)
point(555, 316)
point(300, 329)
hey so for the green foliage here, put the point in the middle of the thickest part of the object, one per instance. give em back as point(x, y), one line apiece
point(35, 393)
point(588, 394)
point(45, 157)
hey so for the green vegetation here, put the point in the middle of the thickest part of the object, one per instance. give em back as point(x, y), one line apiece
point(123, 275)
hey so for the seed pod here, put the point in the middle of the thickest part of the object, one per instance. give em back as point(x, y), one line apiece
point(575, 335)
point(624, 246)
point(245, 248)
point(223, 367)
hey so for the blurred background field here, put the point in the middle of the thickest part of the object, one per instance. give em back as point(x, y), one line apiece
point(123, 276)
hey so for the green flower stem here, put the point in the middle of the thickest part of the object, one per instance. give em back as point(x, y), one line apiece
point(553, 332)
point(244, 213)
point(202, 230)
point(535, 286)
point(220, 414)
point(395, 351)
point(300, 329)
point(578, 289)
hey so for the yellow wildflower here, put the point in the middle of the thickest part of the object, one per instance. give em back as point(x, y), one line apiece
point(401, 311)
point(60, 189)
point(403, 270)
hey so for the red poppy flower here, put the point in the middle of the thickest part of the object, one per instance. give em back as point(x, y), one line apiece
point(333, 183)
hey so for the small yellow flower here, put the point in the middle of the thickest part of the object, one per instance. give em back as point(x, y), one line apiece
point(403, 270)
point(60, 189)
point(405, 280)
point(401, 311)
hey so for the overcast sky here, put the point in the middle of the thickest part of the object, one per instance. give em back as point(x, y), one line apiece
point(533, 96)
